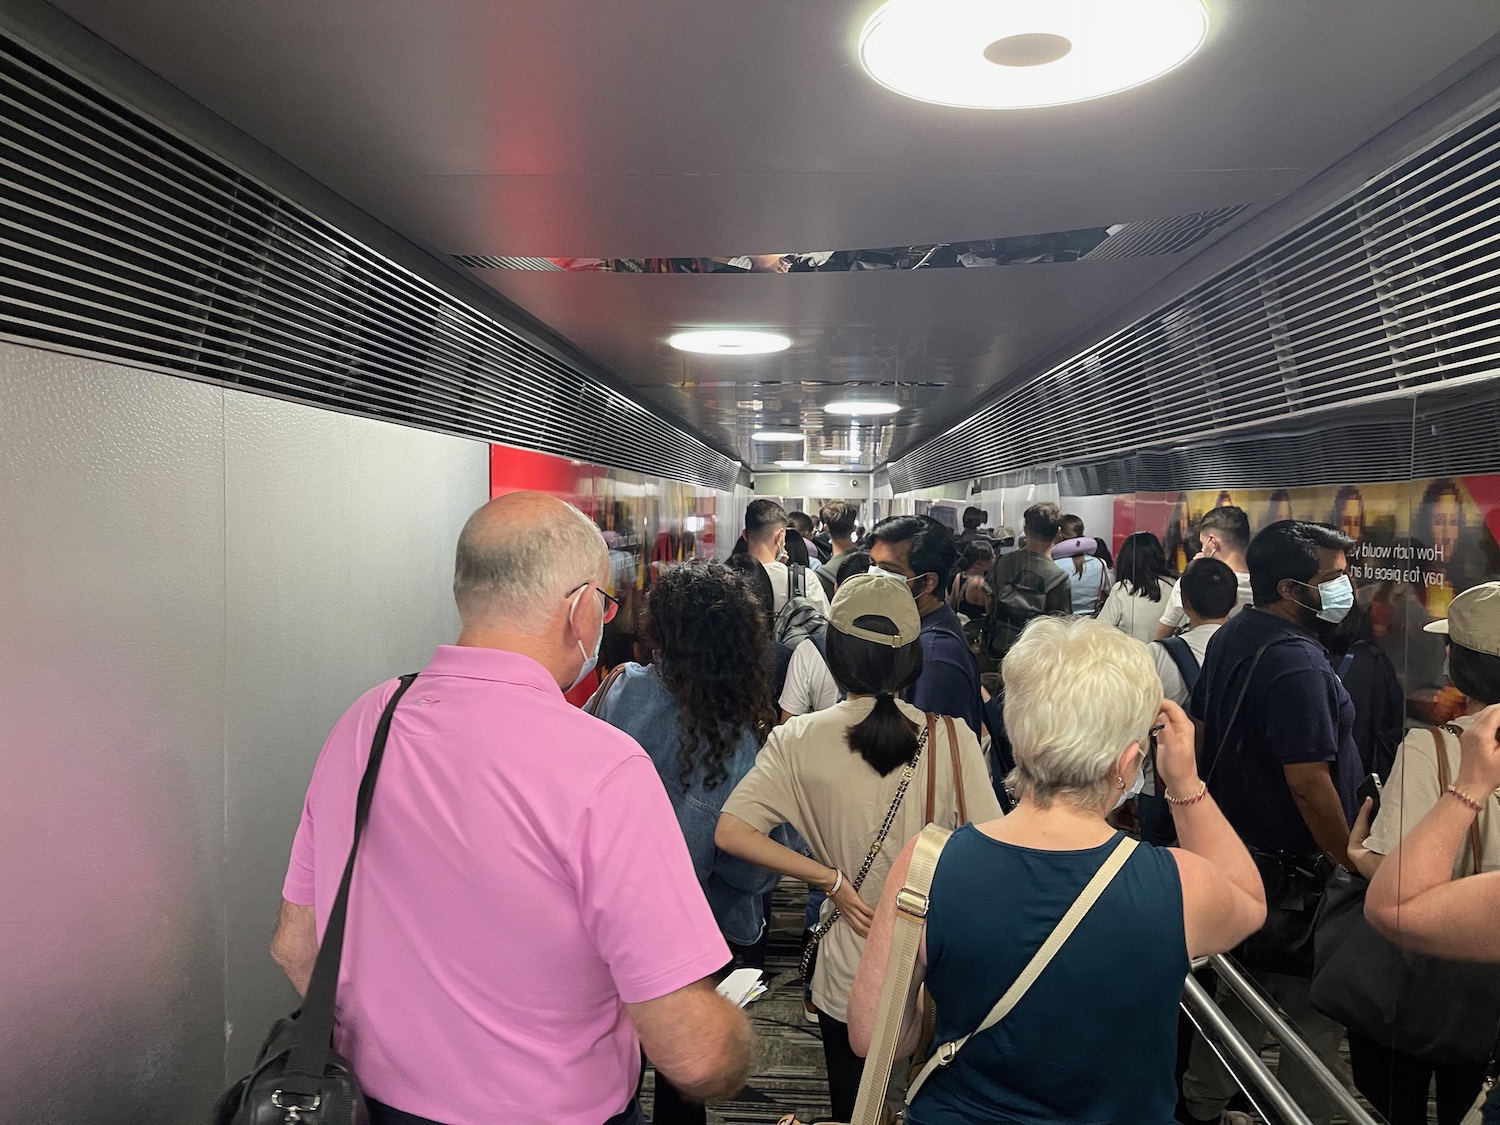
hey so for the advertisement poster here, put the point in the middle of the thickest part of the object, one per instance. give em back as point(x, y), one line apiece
point(1419, 543)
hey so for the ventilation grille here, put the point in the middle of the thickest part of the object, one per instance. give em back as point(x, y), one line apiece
point(1161, 236)
point(121, 240)
point(491, 262)
point(1390, 291)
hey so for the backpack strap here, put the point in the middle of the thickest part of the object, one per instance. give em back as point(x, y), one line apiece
point(1070, 921)
point(1342, 671)
point(1182, 656)
point(900, 967)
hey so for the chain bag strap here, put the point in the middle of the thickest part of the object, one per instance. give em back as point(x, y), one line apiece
point(907, 773)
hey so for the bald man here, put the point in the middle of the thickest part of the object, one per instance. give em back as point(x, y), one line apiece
point(526, 917)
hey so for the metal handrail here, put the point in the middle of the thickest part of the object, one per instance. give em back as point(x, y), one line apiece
point(1244, 1063)
point(1289, 1038)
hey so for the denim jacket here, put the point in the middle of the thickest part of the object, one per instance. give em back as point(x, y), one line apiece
point(639, 704)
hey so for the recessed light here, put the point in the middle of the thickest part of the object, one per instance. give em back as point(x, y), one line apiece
point(860, 406)
point(1014, 54)
point(775, 435)
point(845, 453)
point(791, 464)
point(736, 341)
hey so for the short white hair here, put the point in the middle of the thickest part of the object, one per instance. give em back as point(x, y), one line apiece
point(1078, 692)
point(518, 572)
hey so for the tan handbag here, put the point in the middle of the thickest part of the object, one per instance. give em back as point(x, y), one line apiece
point(912, 904)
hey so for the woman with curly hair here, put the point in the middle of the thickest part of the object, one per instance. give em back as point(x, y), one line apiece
point(701, 710)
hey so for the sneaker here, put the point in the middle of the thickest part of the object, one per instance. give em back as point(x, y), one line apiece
point(809, 1011)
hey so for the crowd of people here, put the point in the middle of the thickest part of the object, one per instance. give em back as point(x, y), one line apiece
point(1141, 764)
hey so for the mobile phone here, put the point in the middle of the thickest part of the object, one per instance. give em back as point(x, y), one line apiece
point(1370, 788)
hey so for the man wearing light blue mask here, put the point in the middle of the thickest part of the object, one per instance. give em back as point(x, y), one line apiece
point(1279, 756)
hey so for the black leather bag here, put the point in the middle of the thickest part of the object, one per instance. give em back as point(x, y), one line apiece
point(1438, 1010)
point(298, 1077)
point(1294, 889)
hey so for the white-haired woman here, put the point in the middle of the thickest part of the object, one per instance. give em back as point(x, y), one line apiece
point(1081, 700)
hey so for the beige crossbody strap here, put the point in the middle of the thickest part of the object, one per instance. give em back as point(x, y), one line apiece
point(900, 967)
point(1076, 913)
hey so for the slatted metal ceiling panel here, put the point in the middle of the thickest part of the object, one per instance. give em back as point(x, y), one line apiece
point(1390, 291)
point(122, 240)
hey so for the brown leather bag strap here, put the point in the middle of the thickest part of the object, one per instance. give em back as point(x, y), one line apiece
point(958, 772)
point(1476, 840)
point(593, 705)
point(931, 767)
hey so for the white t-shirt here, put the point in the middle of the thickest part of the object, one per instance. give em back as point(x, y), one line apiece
point(778, 574)
point(1134, 613)
point(1173, 686)
point(809, 684)
point(1174, 616)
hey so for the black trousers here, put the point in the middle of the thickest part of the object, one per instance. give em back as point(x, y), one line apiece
point(1397, 1085)
point(845, 1068)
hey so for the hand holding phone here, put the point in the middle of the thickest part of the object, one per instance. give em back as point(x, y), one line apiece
point(1370, 789)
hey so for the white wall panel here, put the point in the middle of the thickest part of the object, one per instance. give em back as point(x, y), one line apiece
point(111, 741)
point(194, 584)
point(340, 535)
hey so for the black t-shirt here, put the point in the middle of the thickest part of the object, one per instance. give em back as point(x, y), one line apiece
point(1295, 711)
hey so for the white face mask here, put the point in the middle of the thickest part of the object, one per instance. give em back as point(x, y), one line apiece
point(1134, 790)
point(589, 662)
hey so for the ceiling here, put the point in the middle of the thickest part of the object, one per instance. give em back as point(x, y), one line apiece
point(635, 128)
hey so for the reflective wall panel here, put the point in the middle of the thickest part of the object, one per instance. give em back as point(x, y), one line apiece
point(111, 741)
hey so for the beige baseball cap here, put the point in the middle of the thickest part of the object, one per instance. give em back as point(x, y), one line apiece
point(876, 595)
point(1474, 619)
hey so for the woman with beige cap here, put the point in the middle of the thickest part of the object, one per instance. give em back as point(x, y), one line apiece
point(1423, 785)
point(857, 781)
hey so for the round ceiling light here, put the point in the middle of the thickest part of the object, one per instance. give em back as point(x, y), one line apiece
point(775, 435)
point(861, 406)
point(1013, 54)
point(730, 341)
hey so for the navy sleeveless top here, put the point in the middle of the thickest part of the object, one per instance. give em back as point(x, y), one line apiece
point(1094, 1042)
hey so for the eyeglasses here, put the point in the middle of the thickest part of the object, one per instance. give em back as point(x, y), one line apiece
point(611, 603)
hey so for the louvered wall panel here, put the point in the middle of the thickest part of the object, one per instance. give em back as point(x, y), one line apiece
point(1393, 290)
point(122, 240)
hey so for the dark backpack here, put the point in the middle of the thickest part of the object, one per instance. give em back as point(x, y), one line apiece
point(1183, 657)
point(801, 617)
point(1020, 594)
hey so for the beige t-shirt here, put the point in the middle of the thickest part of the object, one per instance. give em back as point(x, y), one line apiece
point(807, 776)
point(1413, 789)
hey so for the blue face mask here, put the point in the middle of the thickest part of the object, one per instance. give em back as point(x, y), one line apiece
point(1336, 597)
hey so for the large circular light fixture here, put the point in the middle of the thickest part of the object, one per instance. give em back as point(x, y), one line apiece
point(855, 407)
point(1013, 54)
point(775, 435)
point(730, 341)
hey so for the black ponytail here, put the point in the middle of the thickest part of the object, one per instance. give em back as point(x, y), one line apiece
point(885, 738)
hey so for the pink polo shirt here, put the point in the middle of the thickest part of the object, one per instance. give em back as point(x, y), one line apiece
point(521, 880)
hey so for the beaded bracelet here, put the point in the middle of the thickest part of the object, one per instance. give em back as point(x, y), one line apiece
point(1474, 806)
point(1193, 800)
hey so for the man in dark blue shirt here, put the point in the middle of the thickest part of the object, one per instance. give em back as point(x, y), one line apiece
point(920, 551)
point(1278, 755)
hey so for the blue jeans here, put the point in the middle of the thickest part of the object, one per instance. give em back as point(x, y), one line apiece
point(1492, 1108)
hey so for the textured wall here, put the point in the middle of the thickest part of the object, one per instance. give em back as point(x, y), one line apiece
point(193, 584)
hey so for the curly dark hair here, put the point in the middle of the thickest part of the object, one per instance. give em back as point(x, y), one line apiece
point(707, 633)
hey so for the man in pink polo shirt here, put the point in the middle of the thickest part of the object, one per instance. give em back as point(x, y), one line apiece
point(524, 916)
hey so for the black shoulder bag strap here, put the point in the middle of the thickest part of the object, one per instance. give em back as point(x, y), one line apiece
point(1238, 703)
point(312, 1035)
